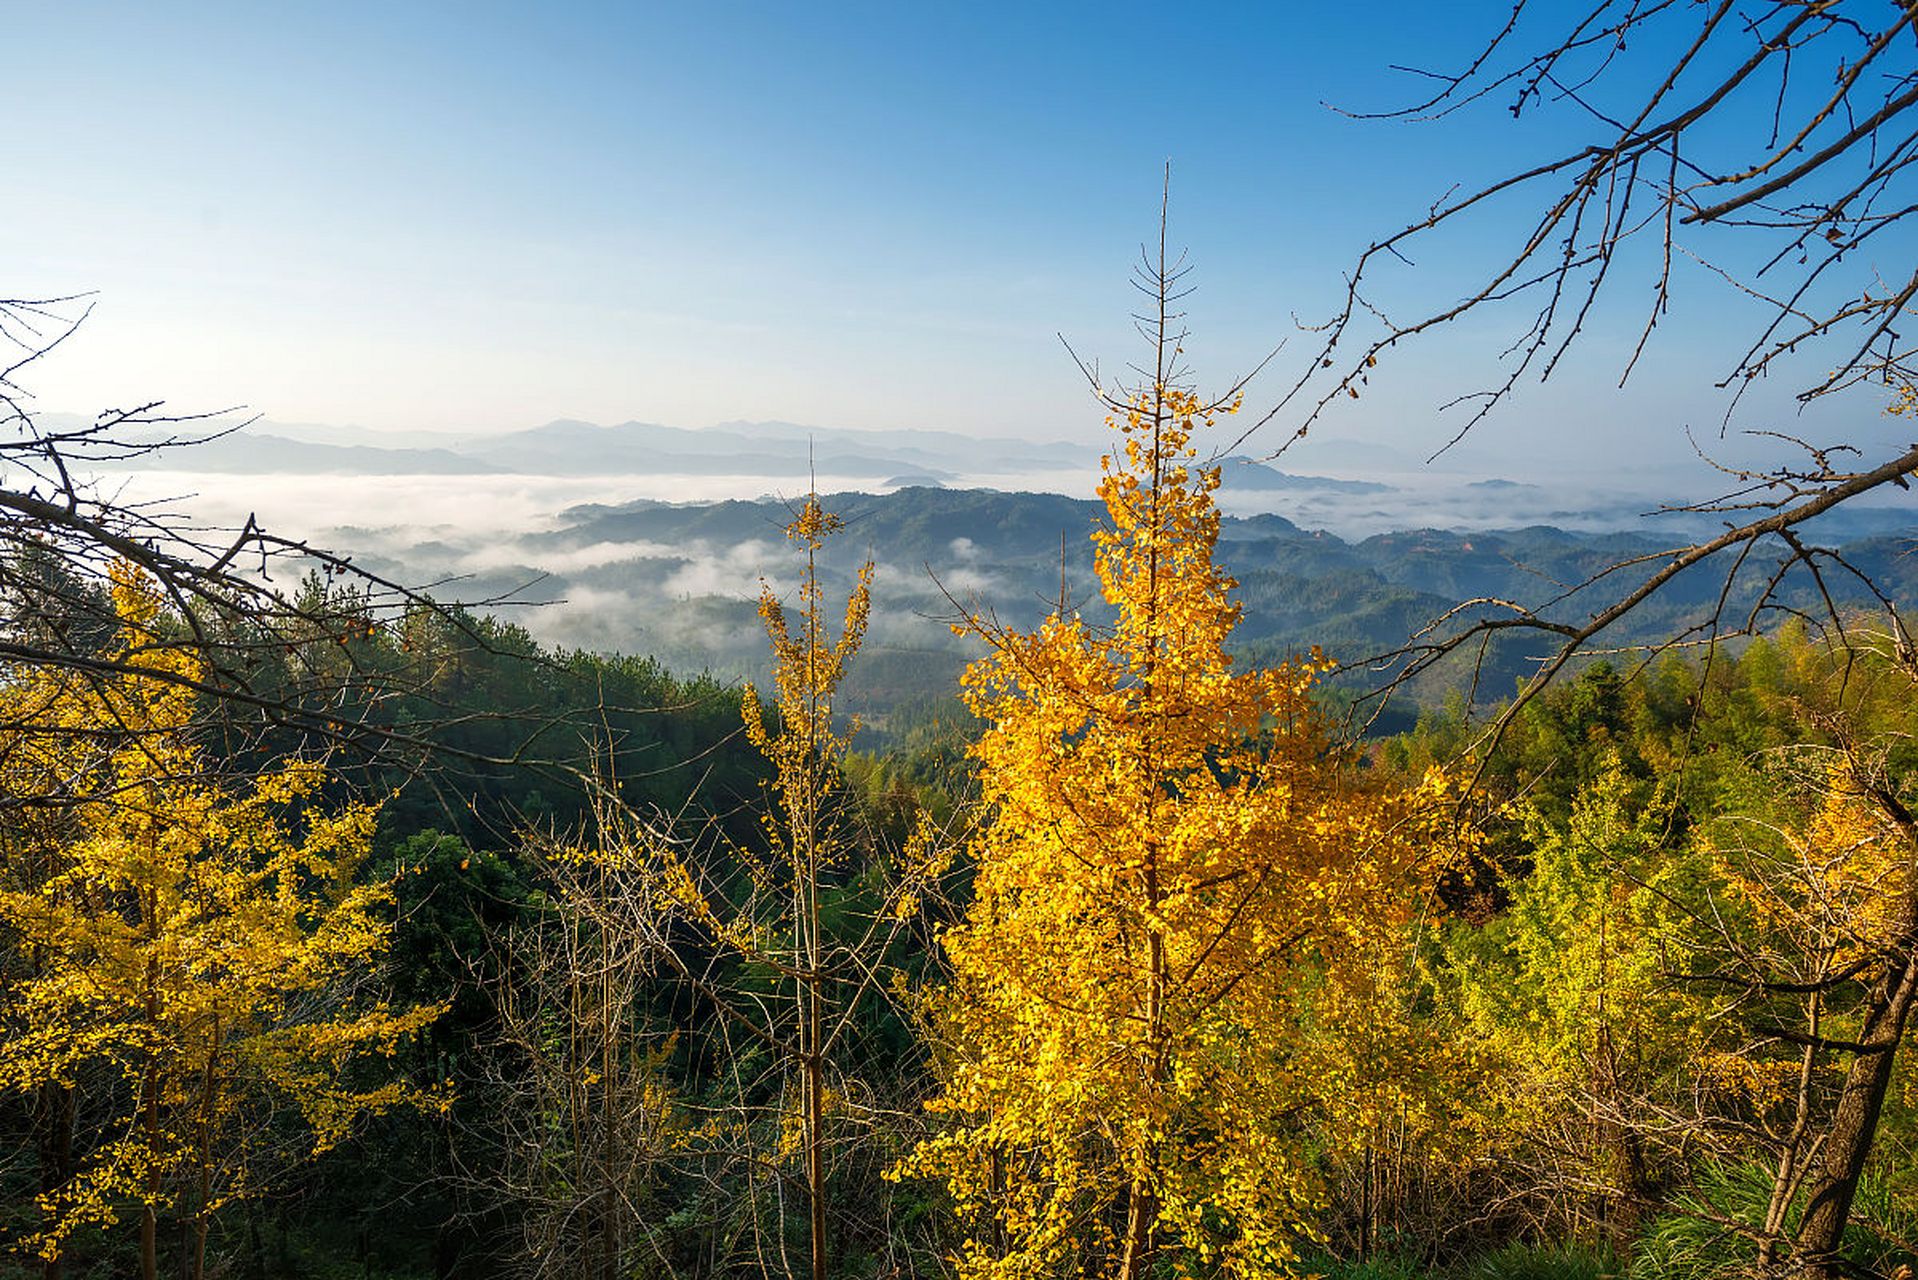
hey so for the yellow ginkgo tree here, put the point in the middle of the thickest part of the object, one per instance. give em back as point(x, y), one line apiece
point(1174, 989)
point(195, 946)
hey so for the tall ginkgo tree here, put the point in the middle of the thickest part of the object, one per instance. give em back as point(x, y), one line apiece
point(195, 945)
point(1175, 983)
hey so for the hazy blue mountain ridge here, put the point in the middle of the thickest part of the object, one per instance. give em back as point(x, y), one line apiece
point(679, 581)
point(496, 515)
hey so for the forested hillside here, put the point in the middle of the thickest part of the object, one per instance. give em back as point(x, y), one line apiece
point(676, 581)
point(405, 946)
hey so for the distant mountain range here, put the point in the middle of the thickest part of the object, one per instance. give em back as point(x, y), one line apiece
point(569, 448)
point(1325, 560)
point(1376, 490)
point(772, 450)
point(678, 580)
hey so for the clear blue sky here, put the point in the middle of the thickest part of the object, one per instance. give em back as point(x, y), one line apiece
point(483, 216)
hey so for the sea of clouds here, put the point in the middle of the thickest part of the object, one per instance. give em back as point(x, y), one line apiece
point(493, 536)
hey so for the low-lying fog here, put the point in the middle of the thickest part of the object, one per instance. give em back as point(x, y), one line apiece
point(489, 511)
point(599, 577)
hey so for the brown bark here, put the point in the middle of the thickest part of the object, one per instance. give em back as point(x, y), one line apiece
point(1854, 1124)
point(815, 1161)
point(1142, 1205)
point(1861, 1100)
point(811, 1013)
point(194, 1263)
point(1621, 1208)
point(612, 1140)
point(150, 1112)
point(1142, 1211)
point(55, 1126)
point(149, 1222)
point(1791, 1158)
point(1366, 1206)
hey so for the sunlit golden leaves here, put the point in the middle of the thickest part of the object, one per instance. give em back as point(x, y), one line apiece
point(1185, 895)
point(195, 941)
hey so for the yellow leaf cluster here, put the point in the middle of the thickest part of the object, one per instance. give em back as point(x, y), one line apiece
point(1838, 877)
point(192, 939)
point(1182, 898)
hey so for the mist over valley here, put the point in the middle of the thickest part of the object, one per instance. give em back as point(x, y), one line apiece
point(656, 540)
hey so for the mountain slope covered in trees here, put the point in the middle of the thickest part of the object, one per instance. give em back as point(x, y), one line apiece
point(678, 581)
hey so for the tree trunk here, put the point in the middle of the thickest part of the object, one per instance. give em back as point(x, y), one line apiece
point(812, 1048)
point(255, 1246)
point(1854, 1125)
point(815, 1156)
point(150, 1120)
point(1365, 1206)
point(1792, 1157)
point(55, 1126)
point(149, 1244)
point(193, 1265)
point(1142, 1212)
point(1142, 1207)
point(811, 1010)
point(1622, 1150)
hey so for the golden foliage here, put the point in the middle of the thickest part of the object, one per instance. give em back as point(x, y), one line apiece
point(191, 939)
point(808, 667)
point(1827, 882)
point(1185, 900)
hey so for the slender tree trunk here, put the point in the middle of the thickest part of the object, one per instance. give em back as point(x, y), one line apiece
point(1366, 1207)
point(1142, 1203)
point(149, 1220)
point(255, 1246)
point(193, 1260)
point(613, 1139)
point(150, 1121)
point(1623, 1151)
point(608, 1140)
point(1142, 1212)
point(200, 1229)
point(1791, 1159)
point(1142, 1207)
point(812, 1041)
point(55, 1125)
point(1854, 1125)
point(812, 1015)
point(815, 1161)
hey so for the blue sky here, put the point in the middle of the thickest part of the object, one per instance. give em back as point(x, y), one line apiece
point(484, 216)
